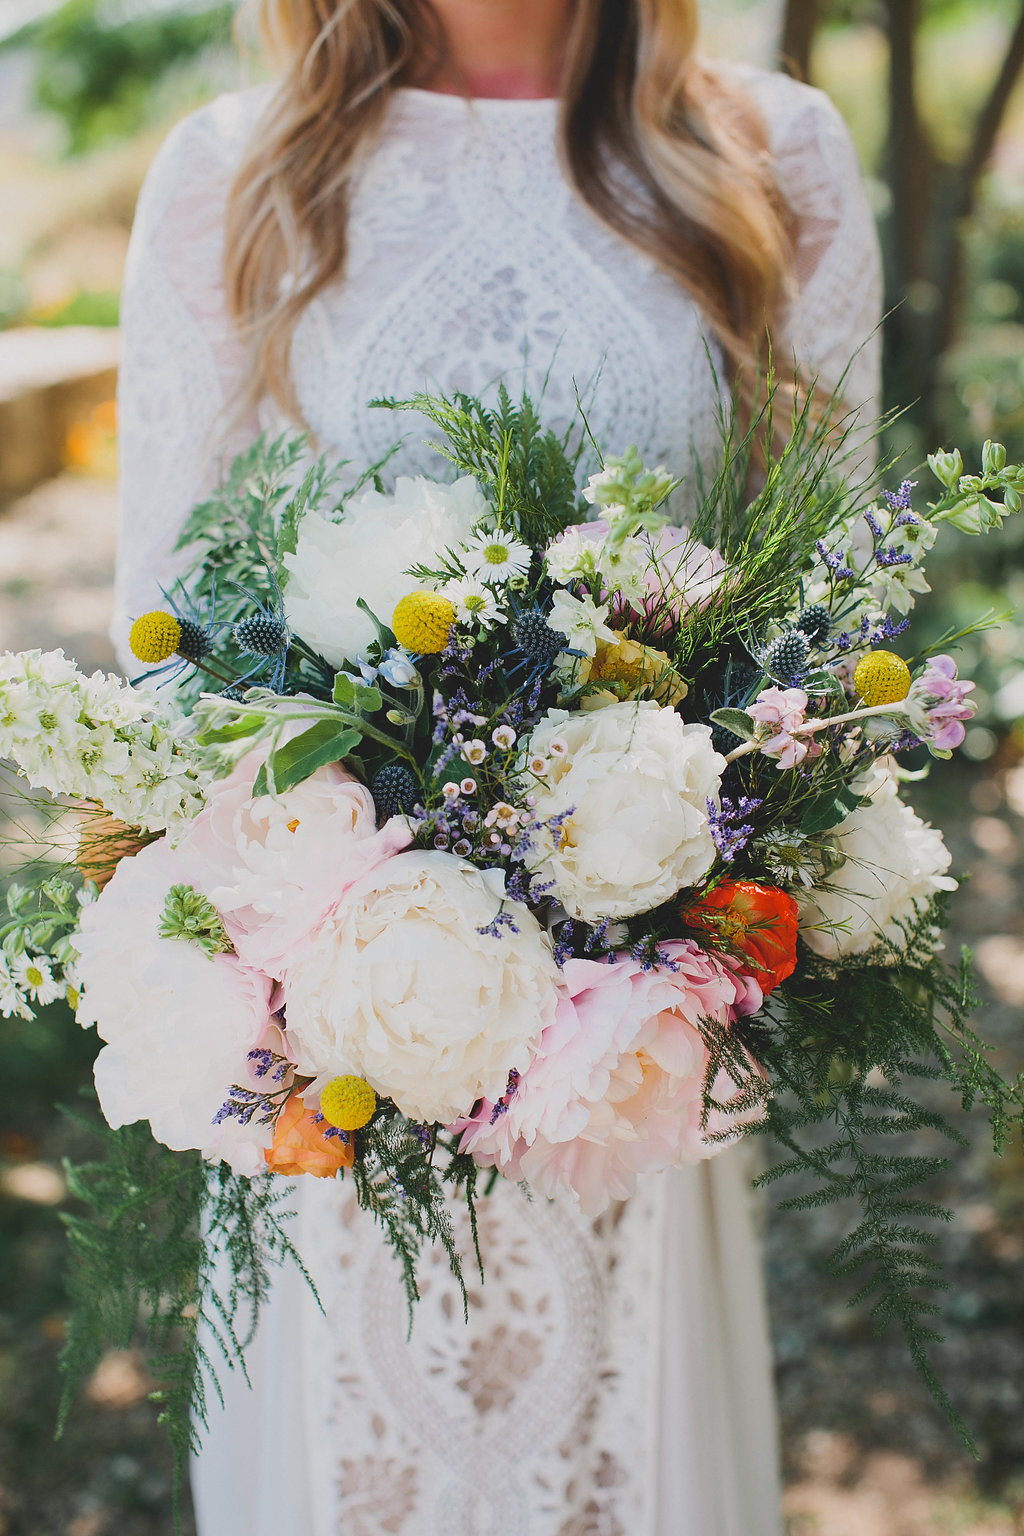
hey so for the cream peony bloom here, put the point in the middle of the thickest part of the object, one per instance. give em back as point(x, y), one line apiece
point(400, 986)
point(178, 1024)
point(893, 863)
point(636, 781)
point(335, 563)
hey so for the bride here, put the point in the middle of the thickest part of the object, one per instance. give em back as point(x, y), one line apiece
point(435, 195)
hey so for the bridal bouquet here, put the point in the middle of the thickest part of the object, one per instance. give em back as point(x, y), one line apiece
point(494, 826)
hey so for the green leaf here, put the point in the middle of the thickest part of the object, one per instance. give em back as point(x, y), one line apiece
point(323, 743)
point(822, 681)
point(247, 725)
point(352, 695)
point(737, 721)
point(828, 811)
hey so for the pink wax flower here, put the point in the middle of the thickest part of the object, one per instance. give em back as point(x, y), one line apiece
point(275, 868)
point(616, 1085)
point(937, 704)
point(783, 710)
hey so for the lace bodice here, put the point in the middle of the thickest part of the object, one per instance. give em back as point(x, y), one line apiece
point(470, 259)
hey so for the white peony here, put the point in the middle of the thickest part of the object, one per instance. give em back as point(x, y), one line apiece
point(366, 554)
point(894, 862)
point(399, 986)
point(636, 781)
point(178, 1024)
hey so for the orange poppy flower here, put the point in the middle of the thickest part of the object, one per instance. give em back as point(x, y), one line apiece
point(757, 922)
point(301, 1147)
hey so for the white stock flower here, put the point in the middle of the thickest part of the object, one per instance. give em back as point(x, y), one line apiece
point(633, 784)
point(581, 620)
point(573, 555)
point(400, 986)
point(178, 1024)
point(623, 566)
point(98, 739)
point(366, 554)
point(894, 863)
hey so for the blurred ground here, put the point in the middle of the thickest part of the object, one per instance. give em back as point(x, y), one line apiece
point(866, 1454)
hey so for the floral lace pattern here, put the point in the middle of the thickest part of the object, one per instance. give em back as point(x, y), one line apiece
point(612, 1375)
point(521, 1418)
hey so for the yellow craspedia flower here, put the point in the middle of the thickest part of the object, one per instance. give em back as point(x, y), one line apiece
point(881, 677)
point(348, 1103)
point(155, 637)
point(422, 622)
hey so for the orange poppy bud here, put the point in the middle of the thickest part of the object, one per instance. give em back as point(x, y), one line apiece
point(757, 922)
point(300, 1145)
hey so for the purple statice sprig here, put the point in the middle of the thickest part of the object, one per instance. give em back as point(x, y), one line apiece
point(900, 501)
point(499, 922)
point(835, 562)
point(511, 1089)
point(730, 833)
point(331, 1132)
point(649, 955)
point(266, 1102)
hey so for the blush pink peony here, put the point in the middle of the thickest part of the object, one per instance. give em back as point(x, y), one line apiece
point(275, 868)
point(616, 1085)
point(683, 573)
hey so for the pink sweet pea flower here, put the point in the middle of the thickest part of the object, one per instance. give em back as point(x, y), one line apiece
point(937, 704)
point(784, 709)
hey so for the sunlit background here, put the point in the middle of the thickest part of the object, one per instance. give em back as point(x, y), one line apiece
point(933, 92)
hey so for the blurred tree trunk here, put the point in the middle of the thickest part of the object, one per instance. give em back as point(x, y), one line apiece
point(911, 298)
point(800, 21)
point(960, 194)
point(931, 200)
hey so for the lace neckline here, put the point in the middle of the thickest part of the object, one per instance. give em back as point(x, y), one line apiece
point(491, 106)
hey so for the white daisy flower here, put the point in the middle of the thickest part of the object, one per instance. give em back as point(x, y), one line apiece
point(492, 555)
point(504, 737)
point(32, 974)
point(474, 752)
point(474, 603)
point(12, 1004)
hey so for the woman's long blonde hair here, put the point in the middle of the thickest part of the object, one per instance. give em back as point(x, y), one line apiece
point(656, 142)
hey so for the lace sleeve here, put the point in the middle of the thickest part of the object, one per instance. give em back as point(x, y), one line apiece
point(835, 315)
point(183, 362)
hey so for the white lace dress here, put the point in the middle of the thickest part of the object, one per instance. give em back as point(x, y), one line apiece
point(615, 1376)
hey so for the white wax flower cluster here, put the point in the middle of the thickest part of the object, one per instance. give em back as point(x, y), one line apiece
point(96, 738)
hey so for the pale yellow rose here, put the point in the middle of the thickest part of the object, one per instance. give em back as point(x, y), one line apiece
point(629, 670)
